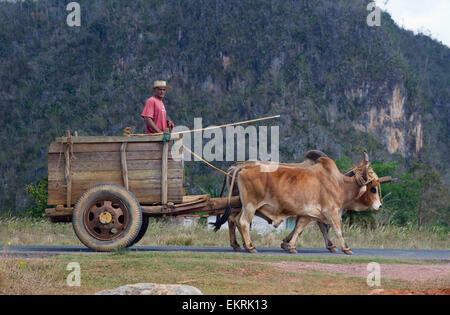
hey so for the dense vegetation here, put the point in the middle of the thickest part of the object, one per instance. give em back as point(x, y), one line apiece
point(316, 63)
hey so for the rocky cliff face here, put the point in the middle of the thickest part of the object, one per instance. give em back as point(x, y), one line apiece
point(398, 132)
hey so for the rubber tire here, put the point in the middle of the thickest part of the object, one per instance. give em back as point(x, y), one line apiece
point(128, 235)
point(144, 227)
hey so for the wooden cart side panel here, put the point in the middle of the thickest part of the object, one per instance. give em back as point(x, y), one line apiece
point(93, 164)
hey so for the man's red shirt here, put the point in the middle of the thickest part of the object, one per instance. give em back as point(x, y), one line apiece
point(154, 108)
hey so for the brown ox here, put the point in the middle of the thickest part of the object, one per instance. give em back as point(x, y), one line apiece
point(310, 158)
point(316, 193)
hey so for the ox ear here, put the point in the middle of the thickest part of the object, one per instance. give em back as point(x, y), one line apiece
point(385, 179)
point(362, 191)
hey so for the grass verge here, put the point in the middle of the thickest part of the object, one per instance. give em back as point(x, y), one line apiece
point(26, 231)
point(212, 273)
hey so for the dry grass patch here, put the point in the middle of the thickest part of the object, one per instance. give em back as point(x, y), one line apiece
point(407, 272)
point(225, 274)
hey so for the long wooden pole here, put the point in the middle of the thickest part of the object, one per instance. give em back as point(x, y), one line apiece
point(209, 128)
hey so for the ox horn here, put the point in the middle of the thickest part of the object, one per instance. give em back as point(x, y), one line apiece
point(385, 179)
point(362, 190)
point(365, 158)
point(364, 163)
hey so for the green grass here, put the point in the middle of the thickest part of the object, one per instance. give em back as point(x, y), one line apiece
point(26, 231)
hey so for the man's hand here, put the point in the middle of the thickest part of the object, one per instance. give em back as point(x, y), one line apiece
point(171, 125)
point(151, 124)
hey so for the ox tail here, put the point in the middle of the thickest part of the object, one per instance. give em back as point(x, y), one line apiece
point(221, 219)
point(223, 185)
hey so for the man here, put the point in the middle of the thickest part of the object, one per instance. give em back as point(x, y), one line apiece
point(154, 112)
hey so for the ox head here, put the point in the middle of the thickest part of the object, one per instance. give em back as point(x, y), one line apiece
point(369, 195)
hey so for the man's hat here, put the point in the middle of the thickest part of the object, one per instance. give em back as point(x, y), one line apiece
point(160, 84)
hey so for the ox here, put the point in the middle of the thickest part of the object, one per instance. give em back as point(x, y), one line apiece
point(315, 193)
point(310, 158)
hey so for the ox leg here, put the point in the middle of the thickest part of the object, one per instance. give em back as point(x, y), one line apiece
point(243, 224)
point(328, 243)
point(300, 224)
point(287, 239)
point(232, 231)
point(335, 221)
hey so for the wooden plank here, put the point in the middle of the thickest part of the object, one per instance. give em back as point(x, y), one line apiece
point(107, 176)
point(56, 147)
point(56, 197)
point(141, 191)
point(108, 156)
point(134, 184)
point(151, 174)
point(109, 139)
point(195, 198)
point(152, 164)
point(83, 166)
point(117, 175)
point(211, 206)
point(52, 212)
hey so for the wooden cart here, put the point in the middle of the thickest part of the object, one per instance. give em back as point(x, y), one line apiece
point(108, 187)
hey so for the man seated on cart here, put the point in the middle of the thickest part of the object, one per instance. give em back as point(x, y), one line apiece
point(154, 112)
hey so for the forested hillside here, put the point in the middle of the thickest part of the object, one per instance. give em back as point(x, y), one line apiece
point(339, 84)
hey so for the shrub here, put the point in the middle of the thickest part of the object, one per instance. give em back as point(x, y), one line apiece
point(38, 193)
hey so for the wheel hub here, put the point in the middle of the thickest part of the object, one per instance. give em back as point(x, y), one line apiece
point(106, 218)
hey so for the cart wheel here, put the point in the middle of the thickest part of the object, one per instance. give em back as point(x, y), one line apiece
point(107, 217)
point(145, 221)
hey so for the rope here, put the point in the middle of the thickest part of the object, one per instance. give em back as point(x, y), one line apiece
point(359, 178)
point(167, 137)
point(371, 176)
point(206, 162)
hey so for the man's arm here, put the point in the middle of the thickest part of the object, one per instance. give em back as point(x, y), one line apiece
point(151, 124)
point(170, 124)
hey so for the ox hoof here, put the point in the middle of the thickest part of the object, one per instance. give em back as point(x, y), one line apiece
point(347, 251)
point(236, 248)
point(332, 249)
point(288, 248)
point(292, 251)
